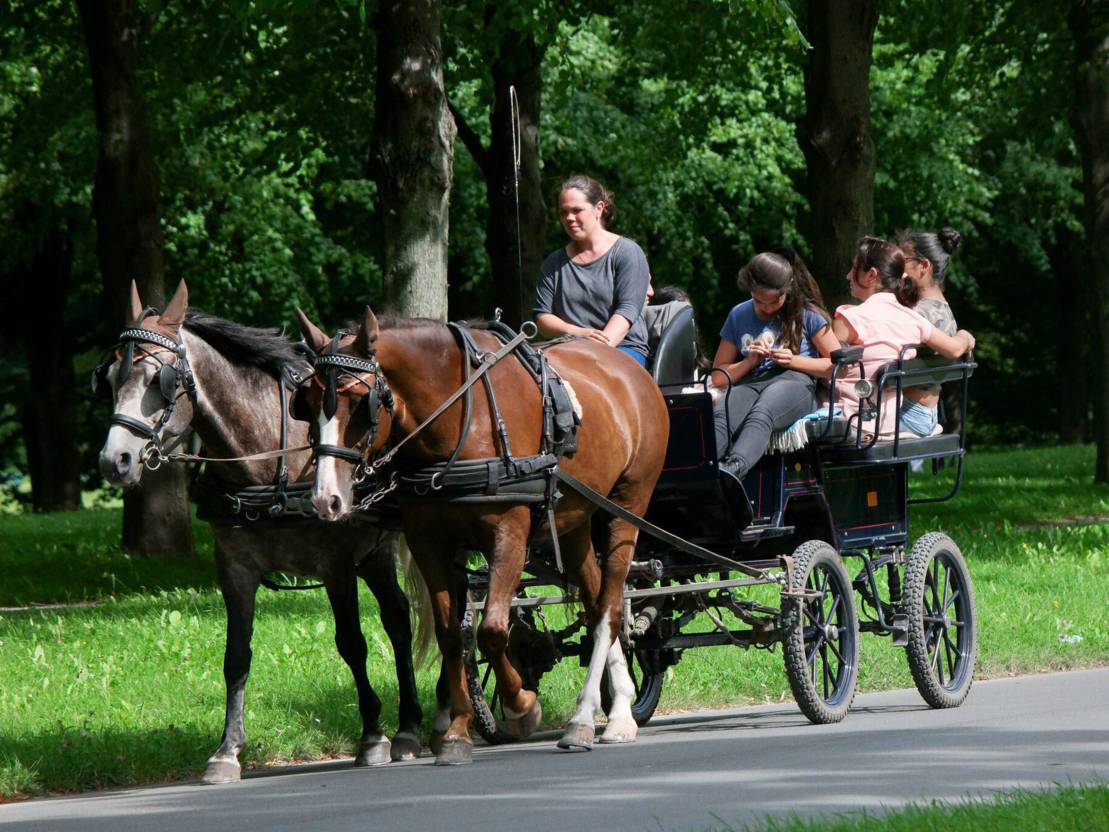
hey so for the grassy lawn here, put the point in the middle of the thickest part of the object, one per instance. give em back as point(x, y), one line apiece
point(130, 689)
point(1067, 809)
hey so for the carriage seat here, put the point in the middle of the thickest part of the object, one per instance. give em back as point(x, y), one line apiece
point(672, 354)
point(840, 440)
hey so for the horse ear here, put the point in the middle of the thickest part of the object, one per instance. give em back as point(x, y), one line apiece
point(313, 335)
point(174, 315)
point(136, 304)
point(366, 339)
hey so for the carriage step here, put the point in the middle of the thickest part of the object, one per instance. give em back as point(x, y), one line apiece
point(764, 532)
point(900, 628)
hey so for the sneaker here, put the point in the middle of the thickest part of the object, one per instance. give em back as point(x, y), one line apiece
point(731, 465)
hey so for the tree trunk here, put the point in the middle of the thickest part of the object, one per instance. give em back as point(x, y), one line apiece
point(129, 242)
point(1089, 22)
point(413, 156)
point(49, 419)
point(1067, 258)
point(835, 136)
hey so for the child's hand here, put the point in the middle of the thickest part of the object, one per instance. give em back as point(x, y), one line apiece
point(782, 357)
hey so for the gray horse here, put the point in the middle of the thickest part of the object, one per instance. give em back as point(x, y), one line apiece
point(224, 384)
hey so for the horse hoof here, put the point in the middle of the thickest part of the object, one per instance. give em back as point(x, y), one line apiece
point(406, 746)
point(456, 752)
point(525, 724)
point(577, 736)
point(620, 730)
point(222, 770)
point(435, 742)
point(373, 752)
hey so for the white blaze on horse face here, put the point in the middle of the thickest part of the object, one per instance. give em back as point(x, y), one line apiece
point(333, 491)
point(589, 700)
point(121, 455)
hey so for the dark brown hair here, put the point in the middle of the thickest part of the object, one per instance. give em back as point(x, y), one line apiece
point(783, 270)
point(936, 248)
point(594, 191)
point(889, 261)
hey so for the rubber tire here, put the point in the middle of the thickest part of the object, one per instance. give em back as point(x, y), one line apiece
point(810, 559)
point(936, 548)
point(484, 720)
point(648, 691)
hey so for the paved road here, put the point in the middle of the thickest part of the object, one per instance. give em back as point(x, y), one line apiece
point(685, 773)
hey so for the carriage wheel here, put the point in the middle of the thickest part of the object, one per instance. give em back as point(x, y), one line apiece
point(939, 602)
point(531, 652)
point(821, 634)
point(648, 686)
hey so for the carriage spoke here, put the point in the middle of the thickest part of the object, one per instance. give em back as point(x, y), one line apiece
point(952, 599)
point(946, 585)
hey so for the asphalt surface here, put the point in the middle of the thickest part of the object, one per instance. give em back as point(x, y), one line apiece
point(686, 772)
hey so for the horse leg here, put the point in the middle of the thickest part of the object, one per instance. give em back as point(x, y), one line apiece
point(620, 550)
point(455, 747)
point(508, 549)
point(442, 721)
point(238, 586)
point(342, 592)
point(380, 575)
point(577, 554)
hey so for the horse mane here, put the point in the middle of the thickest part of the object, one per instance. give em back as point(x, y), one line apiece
point(266, 349)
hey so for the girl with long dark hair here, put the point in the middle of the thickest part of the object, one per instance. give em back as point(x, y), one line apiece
point(773, 348)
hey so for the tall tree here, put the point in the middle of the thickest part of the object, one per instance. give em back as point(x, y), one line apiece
point(129, 246)
point(413, 155)
point(49, 419)
point(835, 134)
point(1089, 22)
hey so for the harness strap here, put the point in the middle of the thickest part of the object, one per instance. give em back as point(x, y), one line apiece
point(487, 362)
point(661, 534)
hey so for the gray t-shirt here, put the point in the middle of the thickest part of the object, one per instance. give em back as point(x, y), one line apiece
point(939, 313)
point(588, 295)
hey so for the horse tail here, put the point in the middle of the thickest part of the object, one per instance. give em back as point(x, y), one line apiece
point(423, 634)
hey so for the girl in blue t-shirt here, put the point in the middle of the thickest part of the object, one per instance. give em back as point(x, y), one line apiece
point(772, 350)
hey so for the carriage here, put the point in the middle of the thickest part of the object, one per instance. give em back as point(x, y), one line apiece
point(720, 562)
point(838, 497)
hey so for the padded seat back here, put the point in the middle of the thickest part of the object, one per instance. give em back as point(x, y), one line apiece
point(673, 360)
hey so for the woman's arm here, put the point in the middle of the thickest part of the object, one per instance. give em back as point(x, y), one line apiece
point(551, 326)
point(948, 346)
point(729, 359)
point(616, 329)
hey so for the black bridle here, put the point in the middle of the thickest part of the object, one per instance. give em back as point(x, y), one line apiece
point(174, 380)
point(329, 367)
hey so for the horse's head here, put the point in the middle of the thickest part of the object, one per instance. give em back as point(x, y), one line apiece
point(349, 407)
point(150, 382)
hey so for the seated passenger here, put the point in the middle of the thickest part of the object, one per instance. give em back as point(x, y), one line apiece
point(596, 286)
point(772, 349)
point(926, 260)
point(663, 306)
point(884, 323)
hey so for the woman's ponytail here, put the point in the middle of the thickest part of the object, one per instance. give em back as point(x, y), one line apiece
point(907, 293)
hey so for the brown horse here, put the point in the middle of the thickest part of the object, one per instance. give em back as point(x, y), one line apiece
point(231, 400)
point(621, 445)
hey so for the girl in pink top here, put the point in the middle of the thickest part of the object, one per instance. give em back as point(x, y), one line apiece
point(884, 323)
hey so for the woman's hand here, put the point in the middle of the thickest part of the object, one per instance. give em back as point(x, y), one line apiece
point(593, 334)
point(966, 336)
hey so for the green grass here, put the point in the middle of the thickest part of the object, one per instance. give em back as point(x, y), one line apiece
point(1082, 808)
point(131, 689)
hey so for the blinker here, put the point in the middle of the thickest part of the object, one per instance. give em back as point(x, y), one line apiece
point(126, 360)
point(167, 382)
